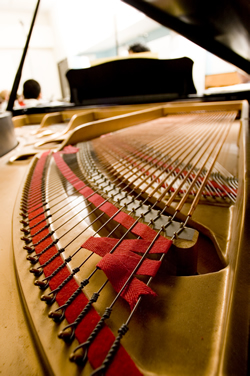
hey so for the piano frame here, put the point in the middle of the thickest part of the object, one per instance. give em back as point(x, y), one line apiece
point(220, 340)
point(21, 350)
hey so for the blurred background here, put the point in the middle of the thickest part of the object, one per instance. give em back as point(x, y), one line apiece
point(81, 33)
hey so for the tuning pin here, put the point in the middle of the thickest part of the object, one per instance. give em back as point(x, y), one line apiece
point(29, 249)
point(24, 223)
point(57, 315)
point(33, 260)
point(41, 284)
point(78, 356)
point(67, 334)
point(36, 271)
point(48, 299)
point(26, 239)
point(25, 231)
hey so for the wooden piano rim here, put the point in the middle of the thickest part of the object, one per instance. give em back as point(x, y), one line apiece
point(55, 353)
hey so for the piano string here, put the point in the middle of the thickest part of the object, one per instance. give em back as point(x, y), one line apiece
point(136, 182)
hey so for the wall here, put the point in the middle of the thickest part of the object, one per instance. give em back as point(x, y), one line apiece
point(100, 29)
point(91, 29)
point(40, 60)
point(81, 25)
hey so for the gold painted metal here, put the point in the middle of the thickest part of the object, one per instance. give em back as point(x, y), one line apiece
point(21, 120)
point(40, 132)
point(198, 324)
point(50, 130)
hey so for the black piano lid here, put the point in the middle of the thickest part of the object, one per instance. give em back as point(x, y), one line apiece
point(220, 26)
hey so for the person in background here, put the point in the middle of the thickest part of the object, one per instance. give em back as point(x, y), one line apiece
point(137, 48)
point(31, 94)
point(4, 97)
point(31, 89)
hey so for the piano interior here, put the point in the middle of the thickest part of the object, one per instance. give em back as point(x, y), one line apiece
point(129, 239)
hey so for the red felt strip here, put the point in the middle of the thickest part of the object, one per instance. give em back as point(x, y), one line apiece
point(144, 231)
point(70, 149)
point(119, 264)
point(124, 219)
point(96, 199)
point(101, 246)
point(109, 209)
point(118, 270)
point(86, 192)
point(122, 363)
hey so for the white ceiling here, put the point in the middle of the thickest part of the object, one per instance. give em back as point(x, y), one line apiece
point(25, 5)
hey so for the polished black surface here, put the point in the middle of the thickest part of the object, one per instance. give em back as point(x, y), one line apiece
point(220, 26)
point(130, 81)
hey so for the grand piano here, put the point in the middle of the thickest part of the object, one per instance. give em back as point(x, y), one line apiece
point(124, 235)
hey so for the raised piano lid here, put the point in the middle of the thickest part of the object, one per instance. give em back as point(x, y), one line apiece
point(221, 27)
